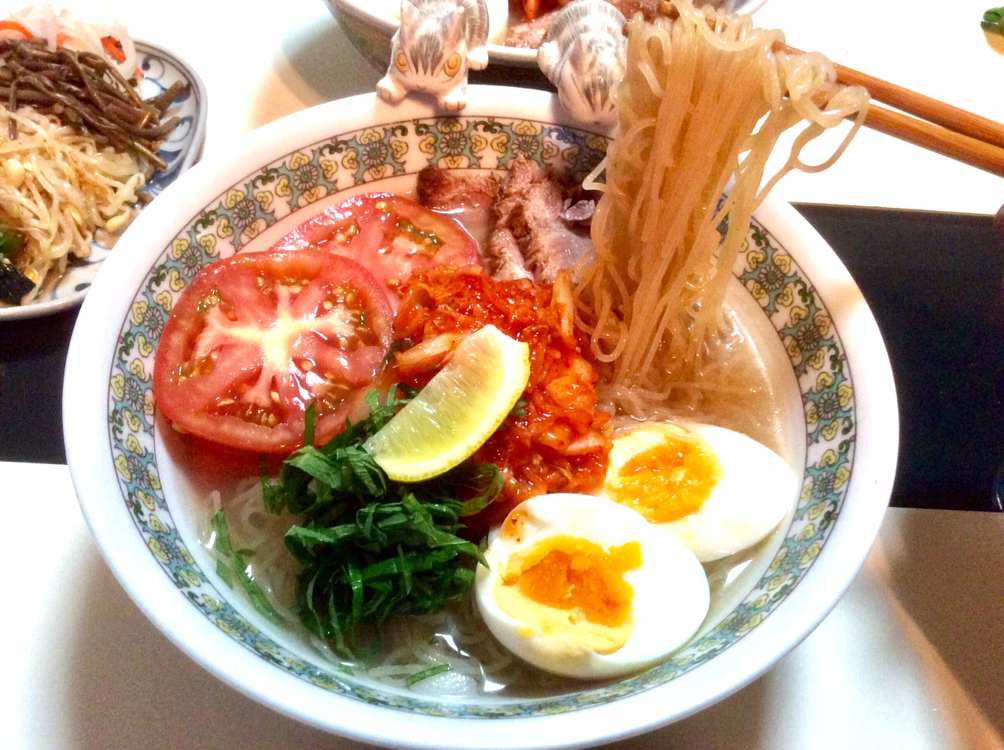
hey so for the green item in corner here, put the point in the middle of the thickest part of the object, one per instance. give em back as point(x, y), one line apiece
point(992, 20)
point(11, 242)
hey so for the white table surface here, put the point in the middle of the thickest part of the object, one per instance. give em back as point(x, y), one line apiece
point(911, 657)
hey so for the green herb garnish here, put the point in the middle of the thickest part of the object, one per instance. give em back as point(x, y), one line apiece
point(11, 242)
point(992, 19)
point(518, 410)
point(13, 284)
point(372, 547)
point(426, 674)
point(232, 565)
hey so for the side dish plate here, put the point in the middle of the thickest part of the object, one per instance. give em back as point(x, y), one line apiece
point(136, 494)
point(370, 26)
point(181, 150)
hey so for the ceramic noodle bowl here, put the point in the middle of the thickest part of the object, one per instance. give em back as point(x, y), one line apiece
point(136, 485)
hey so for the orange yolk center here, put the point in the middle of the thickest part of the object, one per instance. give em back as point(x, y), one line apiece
point(668, 481)
point(570, 573)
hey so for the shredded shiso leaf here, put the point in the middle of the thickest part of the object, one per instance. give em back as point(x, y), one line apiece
point(426, 674)
point(233, 565)
point(370, 547)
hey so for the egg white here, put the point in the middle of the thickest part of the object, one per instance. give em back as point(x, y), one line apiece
point(671, 595)
point(757, 492)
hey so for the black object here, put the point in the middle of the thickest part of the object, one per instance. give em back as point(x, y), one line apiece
point(934, 283)
point(32, 359)
point(13, 284)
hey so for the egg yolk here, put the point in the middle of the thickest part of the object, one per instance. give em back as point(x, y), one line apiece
point(669, 480)
point(569, 573)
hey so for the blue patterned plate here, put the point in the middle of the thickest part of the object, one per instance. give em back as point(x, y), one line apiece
point(136, 483)
point(160, 69)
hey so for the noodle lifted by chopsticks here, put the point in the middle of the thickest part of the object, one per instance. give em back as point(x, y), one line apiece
point(704, 100)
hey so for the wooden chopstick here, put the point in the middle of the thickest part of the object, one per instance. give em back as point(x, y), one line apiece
point(938, 126)
point(925, 107)
point(944, 141)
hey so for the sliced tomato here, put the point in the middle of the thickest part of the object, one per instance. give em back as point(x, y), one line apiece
point(258, 337)
point(392, 236)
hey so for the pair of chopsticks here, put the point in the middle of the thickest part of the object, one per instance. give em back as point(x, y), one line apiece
point(929, 123)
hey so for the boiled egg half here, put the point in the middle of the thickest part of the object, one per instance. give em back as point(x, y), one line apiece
point(583, 587)
point(715, 490)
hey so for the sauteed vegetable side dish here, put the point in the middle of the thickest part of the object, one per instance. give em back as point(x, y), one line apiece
point(623, 463)
point(78, 143)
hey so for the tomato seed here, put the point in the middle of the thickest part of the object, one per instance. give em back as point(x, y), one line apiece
point(343, 236)
point(209, 300)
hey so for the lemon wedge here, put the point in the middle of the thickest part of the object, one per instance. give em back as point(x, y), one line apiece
point(457, 411)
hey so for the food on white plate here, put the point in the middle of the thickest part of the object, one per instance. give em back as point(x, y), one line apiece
point(358, 547)
point(466, 198)
point(637, 328)
point(555, 439)
point(528, 223)
point(585, 588)
point(540, 225)
point(529, 24)
point(58, 27)
point(79, 143)
point(715, 490)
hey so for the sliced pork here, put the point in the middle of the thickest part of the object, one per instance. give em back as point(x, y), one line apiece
point(529, 226)
point(466, 197)
point(532, 237)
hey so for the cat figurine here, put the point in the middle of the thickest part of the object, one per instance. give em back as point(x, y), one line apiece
point(584, 54)
point(437, 41)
